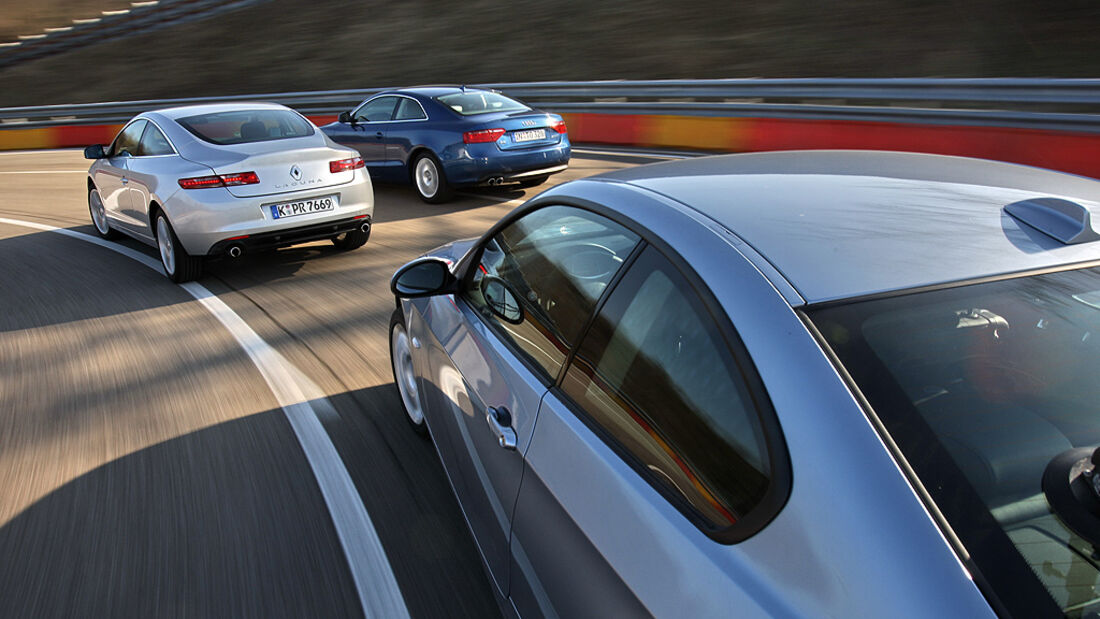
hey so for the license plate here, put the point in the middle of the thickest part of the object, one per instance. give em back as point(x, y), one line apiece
point(527, 136)
point(303, 207)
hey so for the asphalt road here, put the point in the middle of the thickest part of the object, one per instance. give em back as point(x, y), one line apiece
point(147, 469)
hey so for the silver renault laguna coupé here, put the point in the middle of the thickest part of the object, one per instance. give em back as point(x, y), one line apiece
point(219, 180)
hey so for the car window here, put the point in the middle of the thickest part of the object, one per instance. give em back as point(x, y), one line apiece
point(481, 102)
point(656, 377)
point(153, 142)
point(128, 140)
point(986, 388)
point(377, 109)
point(409, 109)
point(539, 278)
point(246, 126)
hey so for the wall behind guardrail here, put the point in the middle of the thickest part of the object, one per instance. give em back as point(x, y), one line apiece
point(1051, 123)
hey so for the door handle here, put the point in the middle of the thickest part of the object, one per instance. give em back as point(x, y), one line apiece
point(379, 135)
point(500, 422)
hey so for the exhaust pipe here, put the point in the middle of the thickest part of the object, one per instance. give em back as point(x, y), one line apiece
point(235, 251)
point(365, 228)
point(496, 180)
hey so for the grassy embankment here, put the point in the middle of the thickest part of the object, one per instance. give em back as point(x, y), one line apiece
point(287, 45)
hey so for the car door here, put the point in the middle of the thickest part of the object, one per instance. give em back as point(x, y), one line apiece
point(649, 455)
point(494, 348)
point(405, 131)
point(111, 177)
point(154, 159)
point(367, 131)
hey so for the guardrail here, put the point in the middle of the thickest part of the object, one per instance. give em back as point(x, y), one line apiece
point(141, 17)
point(1047, 122)
point(1072, 104)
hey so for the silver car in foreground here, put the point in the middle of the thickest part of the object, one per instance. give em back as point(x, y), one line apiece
point(842, 384)
point(220, 180)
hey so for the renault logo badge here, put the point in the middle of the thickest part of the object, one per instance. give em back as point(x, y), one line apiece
point(296, 173)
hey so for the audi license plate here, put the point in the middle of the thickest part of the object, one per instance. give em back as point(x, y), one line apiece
point(527, 136)
point(303, 207)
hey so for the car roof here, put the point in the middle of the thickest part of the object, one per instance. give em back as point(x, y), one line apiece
point(845, 224)
point(431, 91)
point(215, 108)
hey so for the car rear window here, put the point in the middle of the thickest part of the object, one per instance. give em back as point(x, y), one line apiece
point(245, 126)
point(481, 102)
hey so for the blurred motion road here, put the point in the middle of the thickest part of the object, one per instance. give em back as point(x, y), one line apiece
point(146, 468)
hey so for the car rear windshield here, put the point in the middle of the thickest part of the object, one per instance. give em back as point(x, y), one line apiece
point(985, 389)
point(244, 126)
point(481, 102)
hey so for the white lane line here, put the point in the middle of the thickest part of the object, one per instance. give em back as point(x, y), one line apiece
point(300, 400)
point(45, 172)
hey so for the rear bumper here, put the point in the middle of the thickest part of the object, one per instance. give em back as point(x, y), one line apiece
point(291, 236)
point(205, 219)
point(475, 166)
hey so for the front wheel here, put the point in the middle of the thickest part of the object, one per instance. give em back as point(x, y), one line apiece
point(99, 215)
point(179, 265)
point(404, 374)
point(430, 182)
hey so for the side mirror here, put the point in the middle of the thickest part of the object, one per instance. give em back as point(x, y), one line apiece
point(95, 151)
point(501, 299)
point(345, 117)
point(423, 277)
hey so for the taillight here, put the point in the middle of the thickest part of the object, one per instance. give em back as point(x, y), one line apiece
point(560, 127)
point(485, 135)
point(344, 165)
point(223, 180)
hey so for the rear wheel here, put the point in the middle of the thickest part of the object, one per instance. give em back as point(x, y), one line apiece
point(179, 265)
point(533, 182)
point(99, 215)
point(350, 240)
point(404, 374)
point(430, 182)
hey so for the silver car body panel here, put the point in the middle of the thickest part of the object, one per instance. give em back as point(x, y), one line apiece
point(817, 217)
point(203, 217)
point(591, 538)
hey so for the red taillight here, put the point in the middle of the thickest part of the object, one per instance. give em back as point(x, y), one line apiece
point(560, 127)
point(224, 180)
point(344, 165)
point(485, 135)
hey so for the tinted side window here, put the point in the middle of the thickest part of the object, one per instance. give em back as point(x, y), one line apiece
point(409, 109)
point(153, 142)
point(379, 109)
point(654, 373)
point(538, 279)
point(128, 140)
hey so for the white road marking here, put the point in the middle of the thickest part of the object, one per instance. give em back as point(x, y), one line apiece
point(303, 402)
point(46, 172)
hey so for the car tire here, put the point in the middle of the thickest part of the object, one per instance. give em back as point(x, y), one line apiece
point(99, 216)
point(179, 265)
point(403, 374)
point(533, 182)
point(429, 180)
point(350, 240)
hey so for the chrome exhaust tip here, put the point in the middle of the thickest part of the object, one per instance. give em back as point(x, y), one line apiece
point(235, 251)
point(365, 228)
